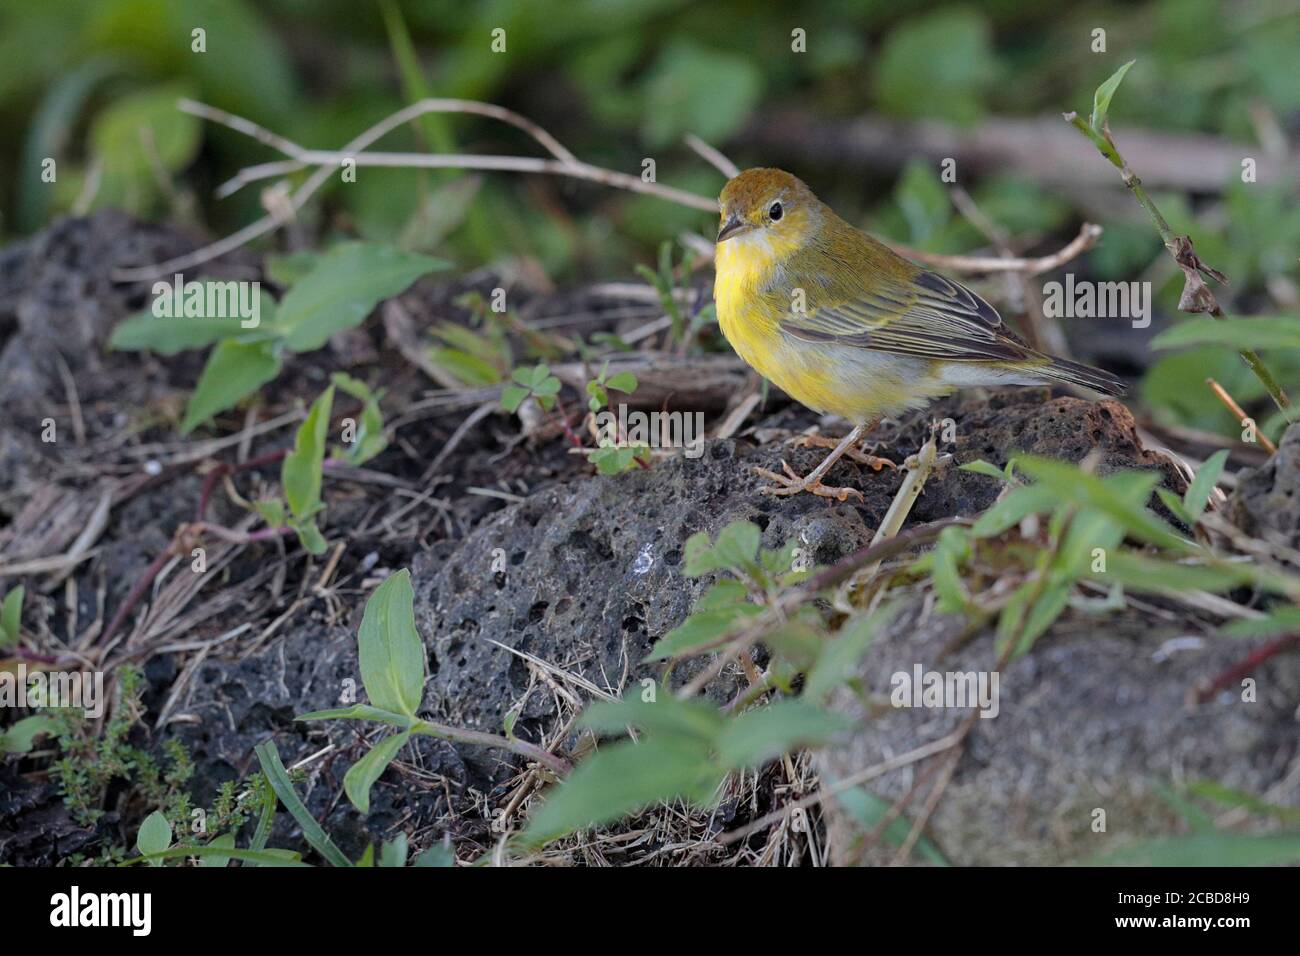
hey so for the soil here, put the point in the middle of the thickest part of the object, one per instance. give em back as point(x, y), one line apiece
point(572, 570)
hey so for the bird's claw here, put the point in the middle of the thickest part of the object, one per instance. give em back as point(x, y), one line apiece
point(791, 484)
point(854, 454)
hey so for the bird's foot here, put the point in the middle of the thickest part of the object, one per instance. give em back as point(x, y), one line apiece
point(855, 454)
point(791, 484)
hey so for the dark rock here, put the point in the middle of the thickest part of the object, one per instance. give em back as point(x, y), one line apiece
point(1266, 502)
point(1094, 717)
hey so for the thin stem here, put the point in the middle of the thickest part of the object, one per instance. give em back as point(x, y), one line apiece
point(1180, 248)
point(480, 739)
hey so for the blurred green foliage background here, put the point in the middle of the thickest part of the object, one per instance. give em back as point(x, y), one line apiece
point(618, 81)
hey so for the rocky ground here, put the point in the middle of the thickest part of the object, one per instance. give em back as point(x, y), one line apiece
point(1095, 716)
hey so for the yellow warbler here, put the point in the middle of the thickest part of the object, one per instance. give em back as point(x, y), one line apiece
point(845, 325)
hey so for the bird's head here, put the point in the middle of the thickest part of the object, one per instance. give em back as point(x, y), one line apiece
point(768, 205)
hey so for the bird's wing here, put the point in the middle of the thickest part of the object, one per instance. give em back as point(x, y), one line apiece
point(927, 316)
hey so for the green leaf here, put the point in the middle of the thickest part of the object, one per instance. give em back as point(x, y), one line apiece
point(702, 628)
point(621, 778)
point(21, 737)
point(666, 715)
point(300, 472)
point(780, 727)
point(135, 135)
point(272, 512)
point(440, 855)
point(155, 834)
point(838, 660)
point(1198, 494)
point(1101, 99)
point(868, 810)
point(936, 66)
point(345, 285)
point(369, 439)
point(690, 88)
point(312, 832)
point(309, 536)
point(235, 370)
point(982, 467)
point(1208, 849)
point(394, 851)
point(170, 335)
point(1280, 621)
point(362, 775)
point(224, 842)
point(11, 610)
point(622, 382)
point(469, 369)
point(1014, 507)
point(391, 652)
point(359, 712)
point(1271, 332)
point(512, 396)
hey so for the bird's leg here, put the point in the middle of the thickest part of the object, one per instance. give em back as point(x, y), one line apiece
point(792, 484)
point(856, 454)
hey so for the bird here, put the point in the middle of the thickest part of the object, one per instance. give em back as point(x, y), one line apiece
point(846, 326)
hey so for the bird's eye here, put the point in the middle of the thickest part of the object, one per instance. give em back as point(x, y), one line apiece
point(774, 212)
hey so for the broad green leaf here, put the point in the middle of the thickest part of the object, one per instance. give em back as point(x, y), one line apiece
point(300, 473)
point(773, 729)
point(391, 652)
point(1101, 99)
point(936, 66)
point(1271, 332)
point(234, 371)
point(169, 335)
point(155, 835)
point(666, 715)
point(362, 774)
point(269, 758)
point(273, 857)
point(621, 778)
point(21, 737)
point(11, 610)
point(345, 285)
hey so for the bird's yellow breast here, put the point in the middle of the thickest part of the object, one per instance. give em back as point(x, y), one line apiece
point(845, 381)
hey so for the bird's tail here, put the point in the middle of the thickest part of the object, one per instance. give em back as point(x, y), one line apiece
point(1063, 370)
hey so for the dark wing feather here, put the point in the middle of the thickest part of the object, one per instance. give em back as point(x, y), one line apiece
point(928, 316)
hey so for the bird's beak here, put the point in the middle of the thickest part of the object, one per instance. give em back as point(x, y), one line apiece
point(733, 226)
